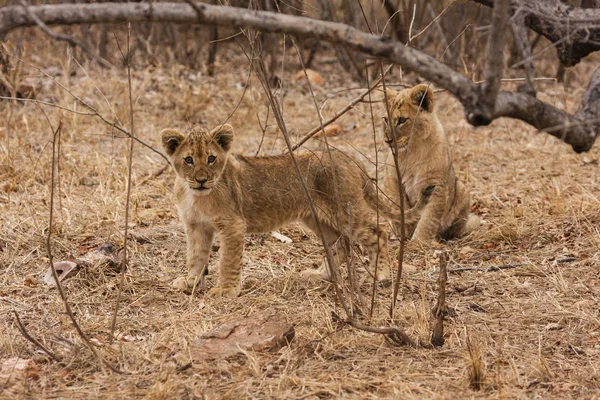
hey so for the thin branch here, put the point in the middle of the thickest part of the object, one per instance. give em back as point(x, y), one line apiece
point(125, 260)
point(33, 340)
point(432, 22)
point(343, 111)
point(262, 75)
point(394, 148)
point(63, 296)
point(60, 37)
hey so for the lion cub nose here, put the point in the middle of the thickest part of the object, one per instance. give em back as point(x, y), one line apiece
point(201, 181)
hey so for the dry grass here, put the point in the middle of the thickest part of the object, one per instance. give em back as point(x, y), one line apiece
point(535, 329)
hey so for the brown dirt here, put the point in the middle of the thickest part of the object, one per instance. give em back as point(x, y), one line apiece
point(530, 332)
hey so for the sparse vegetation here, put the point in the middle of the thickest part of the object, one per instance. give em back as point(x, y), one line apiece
point(527, 331)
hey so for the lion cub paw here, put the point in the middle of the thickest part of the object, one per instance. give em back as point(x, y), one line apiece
point(187, 284)
point(230, 292)
point(321, 274)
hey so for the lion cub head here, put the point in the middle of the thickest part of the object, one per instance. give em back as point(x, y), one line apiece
point(410, 109)
point(199, 156)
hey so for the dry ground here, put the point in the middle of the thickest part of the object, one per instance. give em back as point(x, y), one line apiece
point(536, 327)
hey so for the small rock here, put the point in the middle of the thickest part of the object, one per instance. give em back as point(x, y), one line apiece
point(257, 332)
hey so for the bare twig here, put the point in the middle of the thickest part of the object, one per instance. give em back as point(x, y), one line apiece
point(93, 110)
point(125, 260)
point(60, 37)
point(343, 111)
point(262, 75)
point(433, 21)
point(372, 306)
point(396, 279)
point(397, 336)
point(33, 340)
point(63, 296)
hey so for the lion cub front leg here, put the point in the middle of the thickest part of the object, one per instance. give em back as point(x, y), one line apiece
point(230, 261)
point(199, 238)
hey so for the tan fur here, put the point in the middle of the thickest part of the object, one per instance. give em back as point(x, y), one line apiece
point(260, 194)
point(426, 167)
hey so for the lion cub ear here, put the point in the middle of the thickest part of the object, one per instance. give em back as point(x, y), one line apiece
point(171, 139)
point(223, 135)
point(422, 96)
point(391, 95)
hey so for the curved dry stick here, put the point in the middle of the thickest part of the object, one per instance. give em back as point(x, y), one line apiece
point(63, 296)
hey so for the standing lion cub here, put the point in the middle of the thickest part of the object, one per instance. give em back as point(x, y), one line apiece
point(426, 167)
point(232, 195)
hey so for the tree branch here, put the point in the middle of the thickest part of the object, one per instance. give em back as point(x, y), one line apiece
point(574, 30)
point(573, 129)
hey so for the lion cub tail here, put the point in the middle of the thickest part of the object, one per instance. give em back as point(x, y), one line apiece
point(387, 207)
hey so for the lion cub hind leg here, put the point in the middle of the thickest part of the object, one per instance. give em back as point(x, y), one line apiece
point(461, 222)
point(336, 242)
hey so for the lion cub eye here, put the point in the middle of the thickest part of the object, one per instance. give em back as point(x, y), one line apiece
point(189, 160)
point(211, 159)
point(401, 120)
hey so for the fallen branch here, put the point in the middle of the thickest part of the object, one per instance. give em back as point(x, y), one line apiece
point(579, 133)
point(437, 336)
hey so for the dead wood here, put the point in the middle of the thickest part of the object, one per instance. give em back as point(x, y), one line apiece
point(579, 129)
point(574, 31)
point(437, 336)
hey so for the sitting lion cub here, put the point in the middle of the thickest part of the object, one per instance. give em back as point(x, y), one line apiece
point(217, 192)
point(426, 167)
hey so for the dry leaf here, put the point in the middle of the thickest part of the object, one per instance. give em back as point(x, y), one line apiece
point(333, 130)
point(313, 77)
